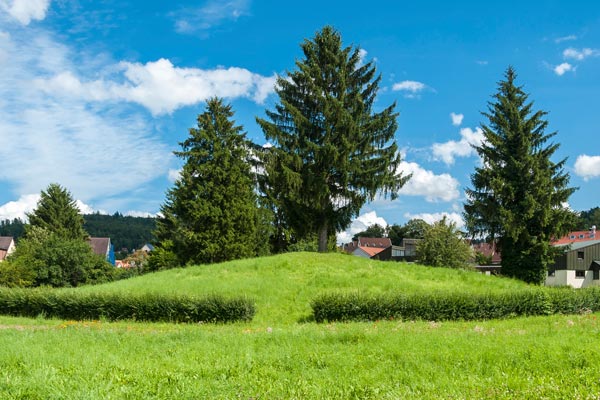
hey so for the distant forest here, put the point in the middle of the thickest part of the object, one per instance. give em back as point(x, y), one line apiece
point(124, 231)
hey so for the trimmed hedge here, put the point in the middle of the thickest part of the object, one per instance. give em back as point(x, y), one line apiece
point(453, 306)
point(145, 307)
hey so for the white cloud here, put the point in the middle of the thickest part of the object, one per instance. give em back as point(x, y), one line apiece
point(425, 183)
point(565, 38)
point(587, 167)
point(413, 87)
point(562, 68)
point(580, 55)
point(430, 218)
point(174, 174)
point(448, 151)
point(482, 62)
point(361, 223)
point(19, 208)
point(25, 10)
point(92, 150)
point(213, 13)
point(142, 214)
point(27, 203)
point(457, 119)
point(161, 87)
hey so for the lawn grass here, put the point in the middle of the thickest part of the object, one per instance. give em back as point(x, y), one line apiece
point(279, 355)
point(525, 358)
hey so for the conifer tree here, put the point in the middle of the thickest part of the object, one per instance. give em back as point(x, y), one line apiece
point(210, 213)
point(331, 151)
point(518, 193)
point(57, 212)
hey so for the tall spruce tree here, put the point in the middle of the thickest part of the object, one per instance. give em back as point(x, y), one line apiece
point(57, 212)
point(519, 193)
point(210, 214)
point(331, 151)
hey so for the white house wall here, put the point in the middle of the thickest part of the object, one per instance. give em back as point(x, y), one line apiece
point(567, 278)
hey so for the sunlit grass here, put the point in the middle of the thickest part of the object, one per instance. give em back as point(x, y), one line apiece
point(283, 286)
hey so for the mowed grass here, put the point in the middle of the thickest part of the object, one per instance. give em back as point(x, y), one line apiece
point(284, 285)
point(279, 355)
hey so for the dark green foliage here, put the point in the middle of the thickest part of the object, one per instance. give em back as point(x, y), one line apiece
point(124, 231)
point(518, 193)
point(443, 245)
point(453, 306)
point(46, 258)
point(14, 228)
point(586, 219)
point(57, 212)
point(373, 231)
point(331, 151)
point(413, 229)
point(210, 215)
point(145, 307)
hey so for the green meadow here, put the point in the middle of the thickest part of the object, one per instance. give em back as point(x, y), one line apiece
point(282, 355)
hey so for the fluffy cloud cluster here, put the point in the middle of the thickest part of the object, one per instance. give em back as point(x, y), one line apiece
point(430, 218)
point(27, 203)
point(587, 167)
point(361, 223)
point(25, 11)
point(161, 87)
point(427, 184)
point(572, 53)
point(92, 150)
point(448, 151)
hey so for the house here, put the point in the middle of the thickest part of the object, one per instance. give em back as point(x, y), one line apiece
point(368, 247)
point(578, 266)
point(578, 237)
point(382, 249)
point(103, 247)
point(488, 250)
point(7, 246)
point(147, 248)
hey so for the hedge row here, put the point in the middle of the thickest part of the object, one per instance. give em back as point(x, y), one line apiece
point(453, 306)
point(144, 307)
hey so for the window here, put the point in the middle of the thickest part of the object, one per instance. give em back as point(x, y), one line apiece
point(581, 236)
point(572, 236)
point(580, 255)
point(579, 273)
point(597, 274)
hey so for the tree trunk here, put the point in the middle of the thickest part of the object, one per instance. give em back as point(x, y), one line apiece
point(323, 236)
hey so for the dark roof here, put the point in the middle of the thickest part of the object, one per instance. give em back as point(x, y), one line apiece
point(100, 246)
point(5, 242)
point(382, 243)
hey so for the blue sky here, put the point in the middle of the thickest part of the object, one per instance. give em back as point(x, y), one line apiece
point(95, 95)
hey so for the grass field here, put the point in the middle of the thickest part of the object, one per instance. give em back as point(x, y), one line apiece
point(278, 357)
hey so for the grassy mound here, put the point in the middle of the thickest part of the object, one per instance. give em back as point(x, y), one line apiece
point(283, 286)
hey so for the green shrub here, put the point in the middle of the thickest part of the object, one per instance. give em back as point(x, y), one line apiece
point(146, 307)
point(453, 306)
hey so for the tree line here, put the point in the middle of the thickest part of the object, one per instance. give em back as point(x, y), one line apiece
point(330, 150)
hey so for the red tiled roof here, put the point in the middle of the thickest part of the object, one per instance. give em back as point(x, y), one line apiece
point(371, 251)
point(488, 250)
point(577, 237)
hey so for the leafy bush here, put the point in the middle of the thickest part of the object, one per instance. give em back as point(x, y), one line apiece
point(453, 306)
point(146, 307)
point(45, 258)
point(444, 246)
